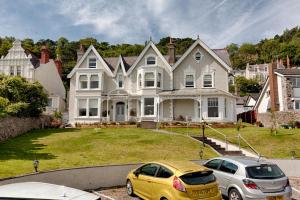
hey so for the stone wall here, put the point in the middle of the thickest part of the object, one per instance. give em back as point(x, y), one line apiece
point(14, 126)
point(280, 116)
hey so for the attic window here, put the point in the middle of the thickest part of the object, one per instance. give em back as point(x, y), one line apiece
point(151, 60)
point(198, 56)
point(92, 63)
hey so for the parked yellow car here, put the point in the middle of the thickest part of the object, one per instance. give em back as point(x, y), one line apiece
point(178, 180)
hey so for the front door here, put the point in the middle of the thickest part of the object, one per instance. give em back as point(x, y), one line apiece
point(120, 111)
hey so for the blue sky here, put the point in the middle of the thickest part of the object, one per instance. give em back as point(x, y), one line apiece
point(217, 22)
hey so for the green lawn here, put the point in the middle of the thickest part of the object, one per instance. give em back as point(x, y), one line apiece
point(279, 146)
point(65, 148)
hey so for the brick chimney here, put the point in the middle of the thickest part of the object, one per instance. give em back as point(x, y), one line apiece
point(171, 52)
point(273, 86)
point(80, 52)
point(288, 64)
point(58, 65)
point(45, 55)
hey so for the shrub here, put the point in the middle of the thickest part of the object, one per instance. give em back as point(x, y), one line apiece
point(57, 114)
point(17, 109)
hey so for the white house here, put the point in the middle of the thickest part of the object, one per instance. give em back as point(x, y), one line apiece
point(152, 87)
point(20, 62)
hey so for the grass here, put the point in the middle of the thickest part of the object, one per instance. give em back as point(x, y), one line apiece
point(67, 148)
point(273, 146)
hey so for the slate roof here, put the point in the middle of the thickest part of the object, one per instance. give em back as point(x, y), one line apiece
point(287, 72)
point(35, 61)
point(129, 60)
point(255, 96)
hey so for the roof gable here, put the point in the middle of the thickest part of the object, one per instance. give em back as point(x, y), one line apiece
point(261, 94)
point(205, 47)
point(120, 63)
point(91, 49)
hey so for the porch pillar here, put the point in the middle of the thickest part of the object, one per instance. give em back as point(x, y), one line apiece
point(113, 110)
point(107, 112)
point(171, 109)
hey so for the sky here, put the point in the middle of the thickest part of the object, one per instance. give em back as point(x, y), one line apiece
point(217, 22)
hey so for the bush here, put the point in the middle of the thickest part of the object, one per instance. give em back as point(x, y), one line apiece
point(17, 109)
point(3, 103)
point(57, 114)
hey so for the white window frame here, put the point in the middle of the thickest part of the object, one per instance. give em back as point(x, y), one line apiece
point(12, 71)
point(19, 69)
point(212, 80)
point(218, 100)
point(88, 62)
point(88, 81)
point(151, 55)
point(154, 106)
point(295, 101)
point(160, 81)
point(201, 57)
point(154, 79)
point(87, 101)
point(79, 84)
point(139, 80)
point(297, 81)
point(50, 99)
point(118, 79)
point(194, 79)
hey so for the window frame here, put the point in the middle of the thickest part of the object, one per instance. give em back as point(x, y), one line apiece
point(50, 99)
point(212, 80)
point(185, 78)
point(166, 169)
point(118, 80)
point(87, 106)
point(151, 56)
point(12, 71)
point(237, 167)
point(88, 63)
point(195, 56)
point(90, 81)
point(159, 80)
point(295, 104)
point(154, 81)
point(19, 70)
point(296, 82)
point(208, 106)
point(144, 106)
point(89, 75)
point(216, 159)
point(155, 165)
point(79, 82)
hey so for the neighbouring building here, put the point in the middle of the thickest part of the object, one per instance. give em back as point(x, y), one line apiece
point(21, 62)
point(246, 103)
point(259, 72)
point(281, 91)
point(152, 87)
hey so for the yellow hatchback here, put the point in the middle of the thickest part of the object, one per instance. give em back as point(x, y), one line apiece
point(178, 180)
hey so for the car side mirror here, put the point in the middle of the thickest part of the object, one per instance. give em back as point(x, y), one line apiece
point(136, 173)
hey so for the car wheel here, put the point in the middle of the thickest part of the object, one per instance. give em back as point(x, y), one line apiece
point(234, 195)
point(129, 188)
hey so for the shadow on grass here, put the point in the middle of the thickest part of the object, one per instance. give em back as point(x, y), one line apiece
point(25, 147)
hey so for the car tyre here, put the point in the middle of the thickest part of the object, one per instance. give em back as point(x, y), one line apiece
point(129, 188)
point(234, 195)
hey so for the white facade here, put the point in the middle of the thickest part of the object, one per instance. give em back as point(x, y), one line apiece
point(19, 62)
point(150, 89)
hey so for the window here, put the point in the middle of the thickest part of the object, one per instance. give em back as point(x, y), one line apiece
point(49, 104)
point(12, 70)
point(92, 63)
point(148, 170)
point(94, 81)
point(297, 104)
point(83, 81)
point(296, 82)
point(189, 80)
point(159, 80)
point(228, 167)
point(151, 60)
point(225, 108)
point(120, 80)
point(164, 173)
point(149, 106)
point(197, 178)
point(140, 80)
point(198, 56)
point(213, 107)
point(264, 171)
point(207, 80)
point(82, 108)
point(93, 107)
point(199, 109)
point(213, 164)
point(149, 79)
point(18, 70)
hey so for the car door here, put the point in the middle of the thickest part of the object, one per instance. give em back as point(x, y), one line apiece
point(162, 184)
point(143, 181)
point(226, 173)
point(215, 164)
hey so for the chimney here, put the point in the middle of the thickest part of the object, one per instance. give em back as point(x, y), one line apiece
point(80, 52)
point(288, 64)
point(58, 65)
point(171, 52)
point(273, 86)
point(45, 55)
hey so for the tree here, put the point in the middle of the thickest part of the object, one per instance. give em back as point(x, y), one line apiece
point(246, 86)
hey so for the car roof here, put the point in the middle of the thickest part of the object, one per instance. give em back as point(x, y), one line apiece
point(39, 190)
point(183, 166)
point(245, 160)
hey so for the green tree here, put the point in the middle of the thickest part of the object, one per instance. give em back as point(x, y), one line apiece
point(246, 86)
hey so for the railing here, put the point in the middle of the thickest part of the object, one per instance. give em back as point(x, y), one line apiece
point(249, 145)
point(225, 136)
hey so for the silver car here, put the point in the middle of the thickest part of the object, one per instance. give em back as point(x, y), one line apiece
point(249, 178)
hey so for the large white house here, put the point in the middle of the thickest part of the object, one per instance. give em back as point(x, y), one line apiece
point(152, 87)
point(20, 62)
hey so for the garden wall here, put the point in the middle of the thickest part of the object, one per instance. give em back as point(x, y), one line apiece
point(13, 126)
point(280, 116)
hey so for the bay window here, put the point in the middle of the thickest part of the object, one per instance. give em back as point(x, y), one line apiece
point(92, 63)
point(82, 107)
point(94, 82)
point(189, 80)
point(93, 107)
point(212, 107)
point(149, 106)
point(159, 80)
point(120, 80)
point(83, 82)
point(18, 70)
point(207, 81)
point(149, 79)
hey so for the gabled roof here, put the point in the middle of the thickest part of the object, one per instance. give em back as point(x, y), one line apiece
point(149, 45)
point(120, 63)
point(91, 48)
point(261, 94)
point(210, 51)
point(288, 72)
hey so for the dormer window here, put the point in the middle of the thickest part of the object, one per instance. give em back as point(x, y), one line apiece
point(198, 56)
point(189, 80)
point(207, 80)
point(92, 63)
point(151, 60)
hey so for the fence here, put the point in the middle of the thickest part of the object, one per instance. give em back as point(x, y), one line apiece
point(249, 116)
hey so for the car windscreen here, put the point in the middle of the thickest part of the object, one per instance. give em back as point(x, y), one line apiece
point(197, 178)
point(264, 171)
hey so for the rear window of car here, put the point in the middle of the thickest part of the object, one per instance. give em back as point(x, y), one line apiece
point(197, 178)
point(265, 171)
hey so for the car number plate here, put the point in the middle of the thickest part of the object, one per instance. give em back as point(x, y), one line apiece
point(275, 198)
point(203, 192)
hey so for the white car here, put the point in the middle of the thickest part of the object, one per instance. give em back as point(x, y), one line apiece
point(43, 191)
